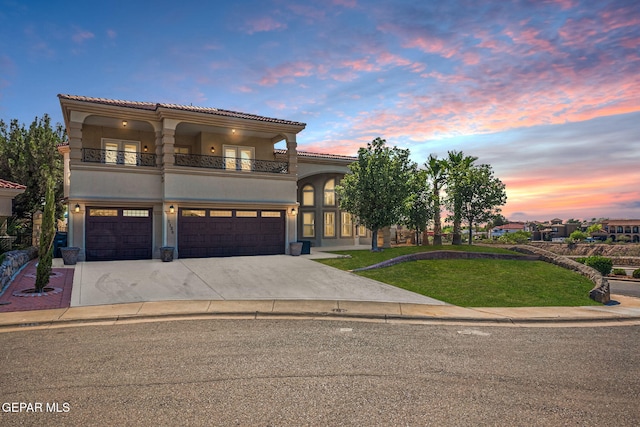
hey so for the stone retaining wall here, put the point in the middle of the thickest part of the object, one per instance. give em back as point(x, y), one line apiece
point(13, 261)
point(600, 293)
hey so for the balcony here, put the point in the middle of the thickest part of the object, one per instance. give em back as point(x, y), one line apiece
point(94, 155)
point(231, 163)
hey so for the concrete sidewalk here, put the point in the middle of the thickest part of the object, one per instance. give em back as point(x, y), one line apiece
point(626, 312)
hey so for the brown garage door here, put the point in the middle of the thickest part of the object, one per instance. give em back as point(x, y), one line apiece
point(118, 234)
point(206, 233)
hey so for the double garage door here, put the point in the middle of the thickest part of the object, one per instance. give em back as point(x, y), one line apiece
point(118, 234)
point(127, 234)
point(218, 232)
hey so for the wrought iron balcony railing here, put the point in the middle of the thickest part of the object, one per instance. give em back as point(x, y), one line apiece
point(94, 155)
point(231, 163)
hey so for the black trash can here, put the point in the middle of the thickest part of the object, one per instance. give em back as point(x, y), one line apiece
point(59, 241)
point(306, 246)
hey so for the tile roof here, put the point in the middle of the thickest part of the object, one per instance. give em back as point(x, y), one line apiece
point(11, 185)
point(150, 106)
point(319, 155)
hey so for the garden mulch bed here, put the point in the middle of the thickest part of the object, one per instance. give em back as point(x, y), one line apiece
point(61, 281)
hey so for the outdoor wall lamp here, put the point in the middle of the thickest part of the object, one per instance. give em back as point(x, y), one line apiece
point(293, 211)
point(213, 149)
point(146, 149)
point(172, 209)
point(124, 123)
point(233, 131)
point(77, 208)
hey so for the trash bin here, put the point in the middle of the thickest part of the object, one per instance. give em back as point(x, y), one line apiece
point(306, 246)
point(59, 241)
point(166, 253)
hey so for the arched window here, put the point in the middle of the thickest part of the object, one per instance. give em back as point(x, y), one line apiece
point(330, 193)
point(308, 194)
point(635, 228)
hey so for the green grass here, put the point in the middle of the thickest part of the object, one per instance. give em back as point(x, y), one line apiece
point(476, 282)
point(364, 258)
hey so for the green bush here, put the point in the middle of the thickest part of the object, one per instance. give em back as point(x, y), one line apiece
point(581, 259)
point(519, 237)
point(600, 263)
point(636, 274)
point(619, 272)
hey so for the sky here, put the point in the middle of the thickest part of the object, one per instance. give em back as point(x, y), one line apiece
point(545, 91)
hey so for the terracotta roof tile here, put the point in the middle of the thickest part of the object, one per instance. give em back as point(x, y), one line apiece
point(150, 106)
point(319, 155)
point(11, 185)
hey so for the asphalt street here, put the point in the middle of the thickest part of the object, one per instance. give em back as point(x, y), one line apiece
point(621, 287)
point(325, 373)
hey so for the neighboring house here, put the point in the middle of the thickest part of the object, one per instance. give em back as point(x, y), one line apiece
point(555, 230)
point(209, 182)
point(615, 229)
point(510, 227)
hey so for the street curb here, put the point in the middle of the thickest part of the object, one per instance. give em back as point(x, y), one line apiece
point(261, 315)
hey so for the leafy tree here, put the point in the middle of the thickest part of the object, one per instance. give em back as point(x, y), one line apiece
point(436, 172)
point(418, 207)
point(29, 157)
point(480, 194)
point(497, 220)
point(45, 253)
point(578, 236)
point(457, 167)
point(375, 190)
point(593, 229)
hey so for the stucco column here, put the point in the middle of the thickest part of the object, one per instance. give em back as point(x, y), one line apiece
point(292, 154)
point(168, 140)
point(159, 156)
point(74, 132)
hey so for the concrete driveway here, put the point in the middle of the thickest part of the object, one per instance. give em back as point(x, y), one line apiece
point(238, 278)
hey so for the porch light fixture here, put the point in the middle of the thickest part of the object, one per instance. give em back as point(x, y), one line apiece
point(77, 208)
point(146, 149)
point(124, 123)
point(233, 131)
point(172, 209)
point(213, 149)
point(293, 211)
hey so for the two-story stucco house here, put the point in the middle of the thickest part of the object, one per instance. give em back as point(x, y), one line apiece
point(209, 182)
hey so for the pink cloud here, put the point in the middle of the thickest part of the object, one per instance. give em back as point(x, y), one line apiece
point(112, 34)
point(81, 35)
point(264, 24)
point(287, 72)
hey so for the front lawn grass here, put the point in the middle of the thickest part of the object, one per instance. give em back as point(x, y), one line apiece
point(476, 282)
point(364, 258)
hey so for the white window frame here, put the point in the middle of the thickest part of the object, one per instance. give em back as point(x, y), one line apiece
point(309, 226)
point(130, 157)
point(230, 163)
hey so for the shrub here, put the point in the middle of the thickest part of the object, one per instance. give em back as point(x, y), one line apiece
point(600, 263)
point(519, 237)
point(636, 274)
point(619, 272)
point(581, 259)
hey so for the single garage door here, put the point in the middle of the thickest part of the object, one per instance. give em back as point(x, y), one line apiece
point(118, 234)
point(206, 233)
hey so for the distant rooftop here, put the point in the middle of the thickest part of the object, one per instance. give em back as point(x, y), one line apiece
point(319, 155)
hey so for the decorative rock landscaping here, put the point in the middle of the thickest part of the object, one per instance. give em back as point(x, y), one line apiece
point(13, 262)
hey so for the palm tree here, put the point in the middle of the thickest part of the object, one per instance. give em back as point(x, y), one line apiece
point(457, 166)
point(436, 172)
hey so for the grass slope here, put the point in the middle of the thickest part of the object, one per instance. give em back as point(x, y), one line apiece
point(476, 282)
